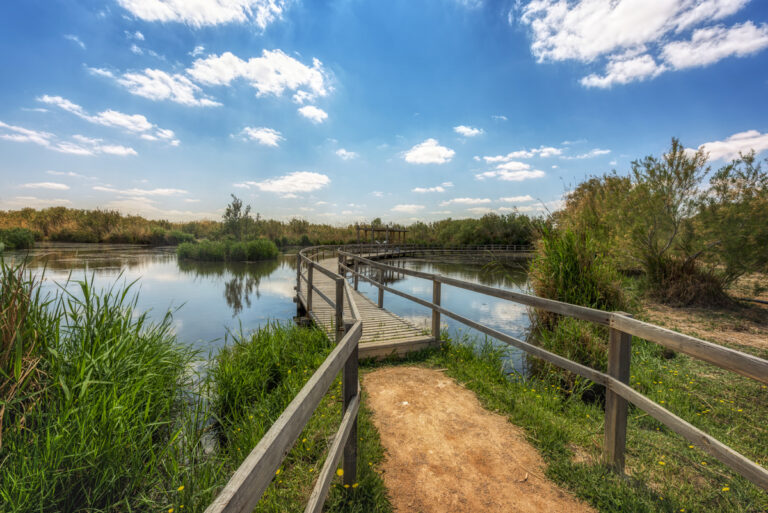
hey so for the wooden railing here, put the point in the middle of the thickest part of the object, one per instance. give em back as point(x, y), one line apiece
point(247, 485)
point(621, 328)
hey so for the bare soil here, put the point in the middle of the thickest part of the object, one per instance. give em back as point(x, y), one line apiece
point(445, 453)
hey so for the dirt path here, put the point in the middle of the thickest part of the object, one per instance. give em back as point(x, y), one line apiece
point(445, 453)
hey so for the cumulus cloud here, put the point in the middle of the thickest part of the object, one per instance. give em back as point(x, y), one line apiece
point(437, 188)
point(467, 131)
point(156, 85)
point(511, 176)
point(465, 201)
point(263, 135)
point(541, 151)
point(741, 142)
point(200, 13)
point(273, 73)
point(517, 199)
point(346, 155)
point(638, 40)
point(75, 39)
point(79, 145)
point(429, 152)
point(313, 113)
point(408, 209)
point(140, 192)
point(590, 154)
point(299, 181)
point(46, 185)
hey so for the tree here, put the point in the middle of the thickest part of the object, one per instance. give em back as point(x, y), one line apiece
point(236, 218)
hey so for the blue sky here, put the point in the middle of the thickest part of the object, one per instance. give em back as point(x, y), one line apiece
point(341, 111)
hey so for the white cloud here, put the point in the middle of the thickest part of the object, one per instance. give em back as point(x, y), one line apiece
point(638, 39)
point(517, 199)
point(513, 165)
point(75, 39)
point(46, 185)
point(499, 117)
point(408, 209)
point(156, 85)
point(272, 73)
point(197, 51)
point(429, 152)
point(741, 142)
point(541, 151)
point(480, 210)
point(200, 13)
point(82, 146)
point(590, 154)
point(101, 72)
point(511, 176)
point(140, 192)
point(313, 113)
point(138, 36)
point(437, 188)
point(346, 155)
point(377, 194)
point(465, 201)
point(711, 44)
point(263, 135)
point(135, 123)
point(467, 131)
point(32, 201)
point(299, 181)
point(69, 174)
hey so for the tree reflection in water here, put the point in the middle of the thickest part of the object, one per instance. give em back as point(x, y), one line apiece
point(241, 279)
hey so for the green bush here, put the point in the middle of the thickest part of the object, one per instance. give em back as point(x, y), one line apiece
point(220, 251)
point(175, 237)
point(79, 235)
point(17, 238)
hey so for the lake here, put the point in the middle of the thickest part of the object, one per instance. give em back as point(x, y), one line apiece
point(212, 299)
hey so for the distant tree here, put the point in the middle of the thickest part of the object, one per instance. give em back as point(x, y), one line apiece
point(236, 218)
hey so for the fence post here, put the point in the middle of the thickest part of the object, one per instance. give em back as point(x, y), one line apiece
point(350, 387)
point(298, 274)
point(339, 317)
point(310, 272)
point(381, 288)
point(357, 270)
point(435, 314)
point(619, 356)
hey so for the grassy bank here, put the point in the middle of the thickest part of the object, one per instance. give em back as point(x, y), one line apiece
point(228, 251)
point(664, 472)
point(103, 410)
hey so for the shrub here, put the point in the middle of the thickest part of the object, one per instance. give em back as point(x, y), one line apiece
point(238, 252)
point(175, 237)
point(17, 238)
point(260, 249)
point(80, 235)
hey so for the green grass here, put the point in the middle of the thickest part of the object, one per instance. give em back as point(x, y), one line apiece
point(229, 251)
point(16, 238)
point(569, 432)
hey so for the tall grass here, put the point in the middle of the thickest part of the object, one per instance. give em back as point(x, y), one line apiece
point(16, 238)
point(228, 251)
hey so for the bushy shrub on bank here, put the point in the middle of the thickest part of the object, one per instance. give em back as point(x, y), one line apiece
point(17, 238)
point(229, 251)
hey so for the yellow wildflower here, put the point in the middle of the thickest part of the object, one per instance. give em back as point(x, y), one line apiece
point(277, 472)
point(355, 485)
point(339, 472)
point(180, 488)
point(346, 486)
point(725, 488)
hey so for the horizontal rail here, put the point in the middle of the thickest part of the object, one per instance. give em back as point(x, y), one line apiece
point(725, 357)
point(324, 297)
point(320, 492)
point(247, 485)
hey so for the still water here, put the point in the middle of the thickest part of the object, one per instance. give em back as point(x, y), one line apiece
point(210, 299)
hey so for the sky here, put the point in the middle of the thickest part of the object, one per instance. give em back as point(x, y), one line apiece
point(342, 111)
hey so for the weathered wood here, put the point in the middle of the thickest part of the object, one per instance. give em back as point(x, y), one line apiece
point(298, 273)
point(351, 387)
point(619, 357)
point(310, 287)
point(727, 358)
point(338, 319)
point(320, 492)
point(381, 289)
point(435, 313)
point(247, 485)
point(322, 295)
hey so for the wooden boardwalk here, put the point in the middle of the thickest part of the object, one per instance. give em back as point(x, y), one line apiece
point(384, 333)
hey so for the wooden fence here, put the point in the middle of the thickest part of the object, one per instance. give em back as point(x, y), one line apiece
point(616, 380)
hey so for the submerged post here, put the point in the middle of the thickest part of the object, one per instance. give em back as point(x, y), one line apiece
point(436, 314)
point(350, 388)
point(381, 288)
point(619, 356)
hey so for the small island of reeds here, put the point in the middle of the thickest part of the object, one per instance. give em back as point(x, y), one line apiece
point(228, 251)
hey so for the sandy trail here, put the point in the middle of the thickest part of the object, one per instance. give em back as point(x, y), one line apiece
point(445, 453)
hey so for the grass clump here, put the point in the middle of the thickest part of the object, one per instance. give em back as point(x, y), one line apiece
point(228, 251)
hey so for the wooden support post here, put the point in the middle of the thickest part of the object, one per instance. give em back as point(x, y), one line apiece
point(619, 356)
point(350, 387)
point(356, 267)
point(339, 317)
point(298, 274)
point(381, 288)
point(310, 270)
point(435, 313)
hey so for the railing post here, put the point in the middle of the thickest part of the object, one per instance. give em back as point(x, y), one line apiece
point(619, 356)
point(381, 288)
point(350, 387)
point(357, 270)
point(339, 317)
point(435, 314)
point(298, 274)
point(310, 272)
